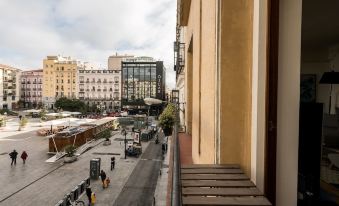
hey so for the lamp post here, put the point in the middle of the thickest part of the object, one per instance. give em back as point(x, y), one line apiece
point(123, 132)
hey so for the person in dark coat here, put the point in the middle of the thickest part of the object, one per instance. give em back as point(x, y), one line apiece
point(103, 178)
point(24, 156)
point(89, 195)
point(112, 163)
point(13, 156)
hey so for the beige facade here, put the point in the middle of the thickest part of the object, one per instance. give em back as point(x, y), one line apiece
point(114, 61)
point(9, 87)
point(100, 87)
point(60, 77)
point(200, 78)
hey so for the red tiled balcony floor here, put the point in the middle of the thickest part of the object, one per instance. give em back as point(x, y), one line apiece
point(185, 144)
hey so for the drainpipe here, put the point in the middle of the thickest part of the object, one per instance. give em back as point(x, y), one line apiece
point(217, 85)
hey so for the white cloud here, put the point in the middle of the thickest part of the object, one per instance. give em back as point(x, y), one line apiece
point(86, 29)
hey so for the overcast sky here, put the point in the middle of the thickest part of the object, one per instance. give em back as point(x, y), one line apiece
point(87, 30)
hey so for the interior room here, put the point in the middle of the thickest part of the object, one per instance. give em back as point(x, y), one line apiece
point(318, 173)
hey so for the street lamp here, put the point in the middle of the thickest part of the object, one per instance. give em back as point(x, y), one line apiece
point(124, 132)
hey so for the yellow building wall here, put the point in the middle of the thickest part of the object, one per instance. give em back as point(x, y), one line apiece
point(52, 71)
point(235, 48)
point(200, 69)
point(69, 73)
point(48, 89)
point(236, 67)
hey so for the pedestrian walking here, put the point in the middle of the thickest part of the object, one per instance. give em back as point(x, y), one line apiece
point(13, 156)
point(112, 163)
point(24, 156)
point(103, 178)
point(89, 195)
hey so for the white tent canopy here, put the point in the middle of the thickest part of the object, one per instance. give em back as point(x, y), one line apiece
point(152, 101)
point(32, 110)
point(58, 114)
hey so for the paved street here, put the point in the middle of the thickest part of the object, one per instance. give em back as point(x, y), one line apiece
point(40, 183)
point(140, 187)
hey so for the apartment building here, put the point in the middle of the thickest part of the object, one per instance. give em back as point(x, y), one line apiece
point(100, 87)
point(114, 61)
point(142, 77)
point(9, 87)
point(60, 79)
point(31, 88)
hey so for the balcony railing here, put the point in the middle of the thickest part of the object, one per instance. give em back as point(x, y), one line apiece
point(179, 57)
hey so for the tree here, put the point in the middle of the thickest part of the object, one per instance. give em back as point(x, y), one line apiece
point(70, 105)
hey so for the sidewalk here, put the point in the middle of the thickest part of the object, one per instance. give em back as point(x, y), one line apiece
point(40, 183)
point(160, 195)
point(119, 175)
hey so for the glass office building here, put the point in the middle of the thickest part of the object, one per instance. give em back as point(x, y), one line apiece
point(142, 77)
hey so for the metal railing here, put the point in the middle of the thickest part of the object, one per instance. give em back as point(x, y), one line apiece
point(176, 183)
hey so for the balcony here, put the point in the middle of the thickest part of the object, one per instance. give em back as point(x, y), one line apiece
point(104, 90)
point(81, 82)
point(117, 82)
point(179, 57)
point(104, 82)
point(99, 90)
point(87, 90)
point(81, 90)
point(208, 184)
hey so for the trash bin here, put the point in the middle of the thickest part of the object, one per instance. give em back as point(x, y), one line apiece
point(94, 169)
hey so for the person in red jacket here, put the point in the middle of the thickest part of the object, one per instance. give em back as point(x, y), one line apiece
point(24, 156)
